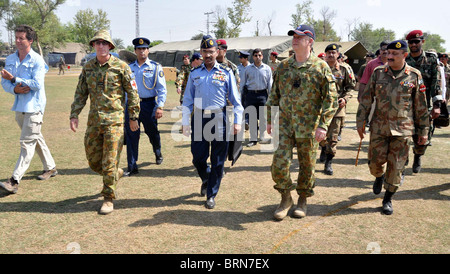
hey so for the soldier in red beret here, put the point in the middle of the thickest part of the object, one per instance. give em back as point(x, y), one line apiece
point(428, 65)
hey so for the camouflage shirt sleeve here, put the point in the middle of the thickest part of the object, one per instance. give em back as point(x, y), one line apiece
point(130, 87)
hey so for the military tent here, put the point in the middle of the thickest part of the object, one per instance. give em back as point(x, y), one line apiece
point(171, 54)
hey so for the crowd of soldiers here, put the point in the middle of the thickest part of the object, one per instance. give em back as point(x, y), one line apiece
point(400, 95)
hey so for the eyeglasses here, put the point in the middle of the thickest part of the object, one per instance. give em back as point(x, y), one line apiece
point(257, 55)
point(103, 42)
point(414, 41)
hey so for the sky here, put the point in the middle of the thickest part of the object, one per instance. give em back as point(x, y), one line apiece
point(178, 20)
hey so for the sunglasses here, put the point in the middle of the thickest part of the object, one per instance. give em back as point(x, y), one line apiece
point(414, 41)
point(104, 43)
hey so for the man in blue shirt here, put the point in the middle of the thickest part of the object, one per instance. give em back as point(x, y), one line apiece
point(152, 90)
point(256, 82)
point(23, 77)
point(208, 88)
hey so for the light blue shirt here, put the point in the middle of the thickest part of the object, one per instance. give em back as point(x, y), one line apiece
point(241, 69)
point(150, 81)
point(256, 78)
point(210, 90)
point(30, 72)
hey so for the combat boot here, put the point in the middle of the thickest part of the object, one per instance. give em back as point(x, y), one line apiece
point(387, 203)
point(378, 184)
point(12, 186)
point(323, 156)
point(417, 165)
point(328, 169)
point(286, 204)
point(107, 206)
point(300, 211)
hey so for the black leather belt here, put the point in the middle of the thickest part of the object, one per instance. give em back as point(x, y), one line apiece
point(258, 91)
point(148, 99)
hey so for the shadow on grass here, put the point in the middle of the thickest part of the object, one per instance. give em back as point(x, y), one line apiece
point(227, 219)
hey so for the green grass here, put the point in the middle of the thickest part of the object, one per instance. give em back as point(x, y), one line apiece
point(160, 210)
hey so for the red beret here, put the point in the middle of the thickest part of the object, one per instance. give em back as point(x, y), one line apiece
point(414, 34)
point(274, 53)
point(221, 42)
point(321, 55)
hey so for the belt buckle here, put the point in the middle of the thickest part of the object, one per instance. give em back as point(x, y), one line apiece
point(207, 111)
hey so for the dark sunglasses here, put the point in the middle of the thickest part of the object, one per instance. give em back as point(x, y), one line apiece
point(414, 41)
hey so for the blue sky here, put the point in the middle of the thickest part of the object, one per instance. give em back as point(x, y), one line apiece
point(179, 20)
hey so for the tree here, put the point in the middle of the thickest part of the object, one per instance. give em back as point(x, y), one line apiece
point(370, 38)
point(238, 15)
point(86, 23)
point(323, 28)
point(303, 15)
point(221, 24)
point(40, 15)
point(434, 41)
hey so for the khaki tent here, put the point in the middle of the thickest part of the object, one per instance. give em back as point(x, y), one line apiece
point(171, 54)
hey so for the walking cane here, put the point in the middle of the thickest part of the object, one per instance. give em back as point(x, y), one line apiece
point(360, 143)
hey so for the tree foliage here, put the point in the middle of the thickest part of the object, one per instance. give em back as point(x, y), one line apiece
point(230, 20)
point(86, 23)
point(371, 38)
point(39, 14)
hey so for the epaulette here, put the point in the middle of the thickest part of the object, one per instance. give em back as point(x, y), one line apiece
point(192, 69)
point(416, 71)
point(225, 67)
point(155, 63)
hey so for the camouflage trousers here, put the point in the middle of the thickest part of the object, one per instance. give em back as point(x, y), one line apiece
point(332, 135)
point(103, 146)
point(390, 150)
point(282, 158)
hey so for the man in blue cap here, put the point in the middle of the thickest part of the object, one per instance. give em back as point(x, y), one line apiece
point(208, 88)
point(152, 90)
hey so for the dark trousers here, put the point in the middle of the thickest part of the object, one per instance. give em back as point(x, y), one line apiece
point(200, 149)
point(255, 99)
point(148, 120)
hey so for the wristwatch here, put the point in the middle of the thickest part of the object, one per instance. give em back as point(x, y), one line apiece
point(13, 80)
point(133, 119)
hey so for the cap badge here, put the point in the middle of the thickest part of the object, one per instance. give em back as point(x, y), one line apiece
point(398, 45)
point(141, 41)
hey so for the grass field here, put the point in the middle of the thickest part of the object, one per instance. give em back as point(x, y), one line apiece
point(161, 211)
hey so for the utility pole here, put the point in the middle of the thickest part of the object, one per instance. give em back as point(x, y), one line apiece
point(207, 21)
point(137, 17)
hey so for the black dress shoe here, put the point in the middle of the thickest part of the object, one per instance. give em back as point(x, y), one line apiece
point(253, 143)
point(210, 203)
point(159, 159)
point(129, 173)
point(378, 185)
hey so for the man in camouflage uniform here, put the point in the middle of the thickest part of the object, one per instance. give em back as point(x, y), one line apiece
point(345, 83)
point(427, 64)
point(182, 77)
point(106, 80)
point(222, 59)
point(400, 111)
point(304, 89)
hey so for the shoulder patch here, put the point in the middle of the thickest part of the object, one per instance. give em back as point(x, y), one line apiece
point(225, 67)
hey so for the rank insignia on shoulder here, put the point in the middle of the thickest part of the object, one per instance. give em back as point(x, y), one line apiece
point(161, 74)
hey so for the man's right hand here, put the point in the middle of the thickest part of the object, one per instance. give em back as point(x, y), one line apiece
point(74, 124)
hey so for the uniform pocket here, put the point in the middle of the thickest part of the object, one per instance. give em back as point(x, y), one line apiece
point(36, 120)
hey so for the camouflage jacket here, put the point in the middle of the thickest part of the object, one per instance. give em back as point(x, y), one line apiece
point(234, 68)
point(345, 83)
point(427, 64)
point(183, 77)
point(107, 87)
point(306, 96)
point(401, 107)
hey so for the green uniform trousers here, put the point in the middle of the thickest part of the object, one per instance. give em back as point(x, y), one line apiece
point(282, 158)
point(103, 146)
point(390, 150)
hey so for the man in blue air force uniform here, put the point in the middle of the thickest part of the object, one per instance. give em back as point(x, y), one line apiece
point(152, 90)
point(208, 88)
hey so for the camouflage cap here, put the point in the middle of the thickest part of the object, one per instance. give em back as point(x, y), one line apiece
point(102, 35)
